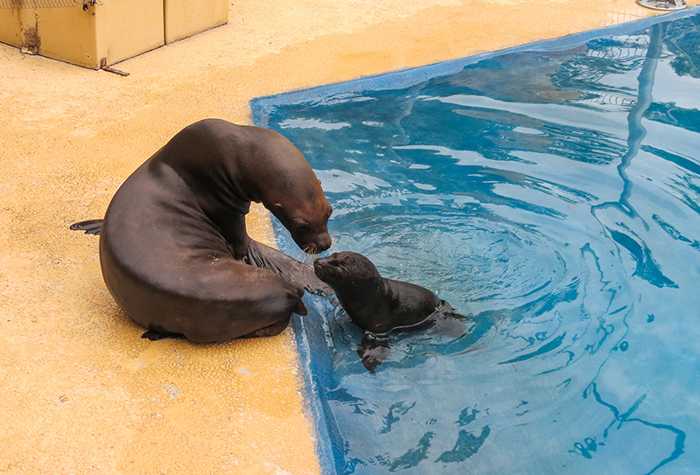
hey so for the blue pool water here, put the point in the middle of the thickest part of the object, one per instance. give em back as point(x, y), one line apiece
point(551, 193)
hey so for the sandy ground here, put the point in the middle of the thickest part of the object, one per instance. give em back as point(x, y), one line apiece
point(81, 391)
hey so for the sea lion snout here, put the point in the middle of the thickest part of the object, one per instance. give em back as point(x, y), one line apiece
point(324, 241)
point(326, 268)
point(344, 269)
point(320, 242)
point(331, 261)
point(307, 223)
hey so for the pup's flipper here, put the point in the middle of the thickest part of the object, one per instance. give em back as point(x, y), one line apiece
point(298, 273)
point(92, 226)
point(448, 321)
point(373, 351)
point(444, 308)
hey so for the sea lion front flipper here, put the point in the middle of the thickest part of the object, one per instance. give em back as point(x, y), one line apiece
point(298, 273)
point(92, 226)
point(373, 351)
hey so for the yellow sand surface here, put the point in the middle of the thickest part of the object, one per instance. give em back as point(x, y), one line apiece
point(80, 391)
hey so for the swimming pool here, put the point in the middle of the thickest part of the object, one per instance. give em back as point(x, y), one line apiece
point(549, 192)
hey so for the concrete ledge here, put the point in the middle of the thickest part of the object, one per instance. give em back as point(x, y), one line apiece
point(82, 392)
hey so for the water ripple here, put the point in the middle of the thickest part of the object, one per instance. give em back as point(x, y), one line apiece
point(552, 198)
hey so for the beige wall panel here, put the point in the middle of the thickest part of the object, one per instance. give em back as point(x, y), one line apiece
point(113, 29)
point(65, 33)
point(126, 28)
point(10, 26)
point(184, 18)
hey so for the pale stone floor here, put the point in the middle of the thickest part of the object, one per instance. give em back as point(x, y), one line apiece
point(80, 391)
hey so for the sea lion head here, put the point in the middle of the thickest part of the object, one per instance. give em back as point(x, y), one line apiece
point(293, 193)
point(346, 270)
point(306, 218)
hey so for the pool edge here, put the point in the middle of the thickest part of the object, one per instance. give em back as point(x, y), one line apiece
point(261, 108)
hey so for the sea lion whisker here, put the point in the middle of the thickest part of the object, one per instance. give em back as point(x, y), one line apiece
point(311, 249)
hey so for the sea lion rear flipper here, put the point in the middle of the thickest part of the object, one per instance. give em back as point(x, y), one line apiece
point(92, 226)
point(373, 351)
point(296, 272)
point(272, 330)
point(155, 335)
point(444, 308)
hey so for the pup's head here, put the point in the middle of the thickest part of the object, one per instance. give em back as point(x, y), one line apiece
point(346, 270)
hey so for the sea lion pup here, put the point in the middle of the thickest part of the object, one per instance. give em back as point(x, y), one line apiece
point(377, 305)
point(174, 250)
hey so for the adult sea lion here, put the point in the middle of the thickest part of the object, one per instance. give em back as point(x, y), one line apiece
point(380, 306)
point(174, 250)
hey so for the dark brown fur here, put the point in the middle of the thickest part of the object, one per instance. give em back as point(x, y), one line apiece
point(378, 305)
point(174, 249)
